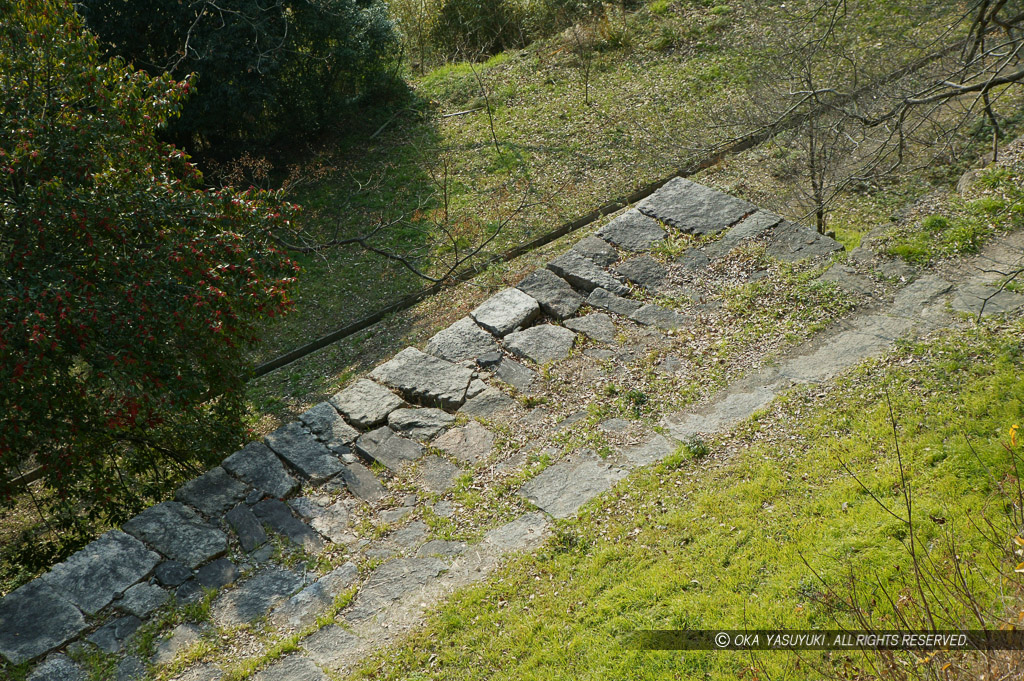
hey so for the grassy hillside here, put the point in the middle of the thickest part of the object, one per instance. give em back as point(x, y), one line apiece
point(564, 125)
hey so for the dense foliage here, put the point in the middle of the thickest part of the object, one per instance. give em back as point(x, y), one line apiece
point(128, 295)
point(265, 69)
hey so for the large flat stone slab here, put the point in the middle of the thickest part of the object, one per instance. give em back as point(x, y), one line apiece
point(142, 599)
point(847, 279)
point(292, 668)
point(327, 644)
point(605, 300)
point(333, 523)
point(655, 448)
point(419, 424)
point(437, 475)
point(986, 300)
point(391, 581)
point(643, 270)
point(660, 317)
point(488, 403)
point(58, 668)
point(584, 273)
point(516, 375)
point(694, 208)
point(255, 597)
point(178, 532)
point(596, 325)
point(181, 638)
point(276, 514)
point(542, 343)
point(260, 467)
point(749, 228)
point(791, 242)
point(470, 443)
point(363, 483)
point(298, 447)
point(97, 574)
point(213, 492)
point(324, 421)
point(556, 297)
point(248, 529)
point(388, 448)
point(724, 413)
point(302, 609)
point(461, 341)
point(506, 311)
point(426, 379)
point(598, 250)
point(633, 231)
point(525, 533)
point(111, 636)
point(562, 488)
point(366, 404)
point(35, 619)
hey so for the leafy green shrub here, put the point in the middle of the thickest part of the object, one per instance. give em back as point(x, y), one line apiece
point(265, 69)
point(468, 29)
point(130, 294)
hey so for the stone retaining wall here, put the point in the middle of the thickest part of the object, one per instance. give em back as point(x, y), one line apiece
point(104, 592)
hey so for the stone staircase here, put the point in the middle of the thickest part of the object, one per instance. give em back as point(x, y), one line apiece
point(279, 529)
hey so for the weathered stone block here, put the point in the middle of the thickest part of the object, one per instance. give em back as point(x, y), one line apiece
point(248, 529)
point(542, 343)
point(260, 467)
point(556, 297)
point(142, 599)
point(213, 493)
point(598, 250)
point(748, 228)
point(324, 421)
point(633, 231)
point(419, 424)
point(217, 574)
point(437, 475)
point(388, 448)
point(563, 487)
point(461, 341)
point(278, 516)
point(390, 582)
point(112, 635)
point(58, 668)
point(606, 300)
point(644, 271)
point(695, 208)
point(366, 404)
point(660, 317)
point(516, 375)
point(791, 242)
point(584, 274)
point(363, 483)
point(178, 532)
point(255, 597)
point(299, 448)
point(470, 443)
point(425, 379)
point(488, 403)
point(506, 311)
point(92, 577)
point(596, 325)
point(35, 619)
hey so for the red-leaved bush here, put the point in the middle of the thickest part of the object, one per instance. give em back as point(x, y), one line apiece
point(128, 293)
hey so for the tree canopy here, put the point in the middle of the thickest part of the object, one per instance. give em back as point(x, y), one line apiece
point(264, 68)
point(128, 293)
